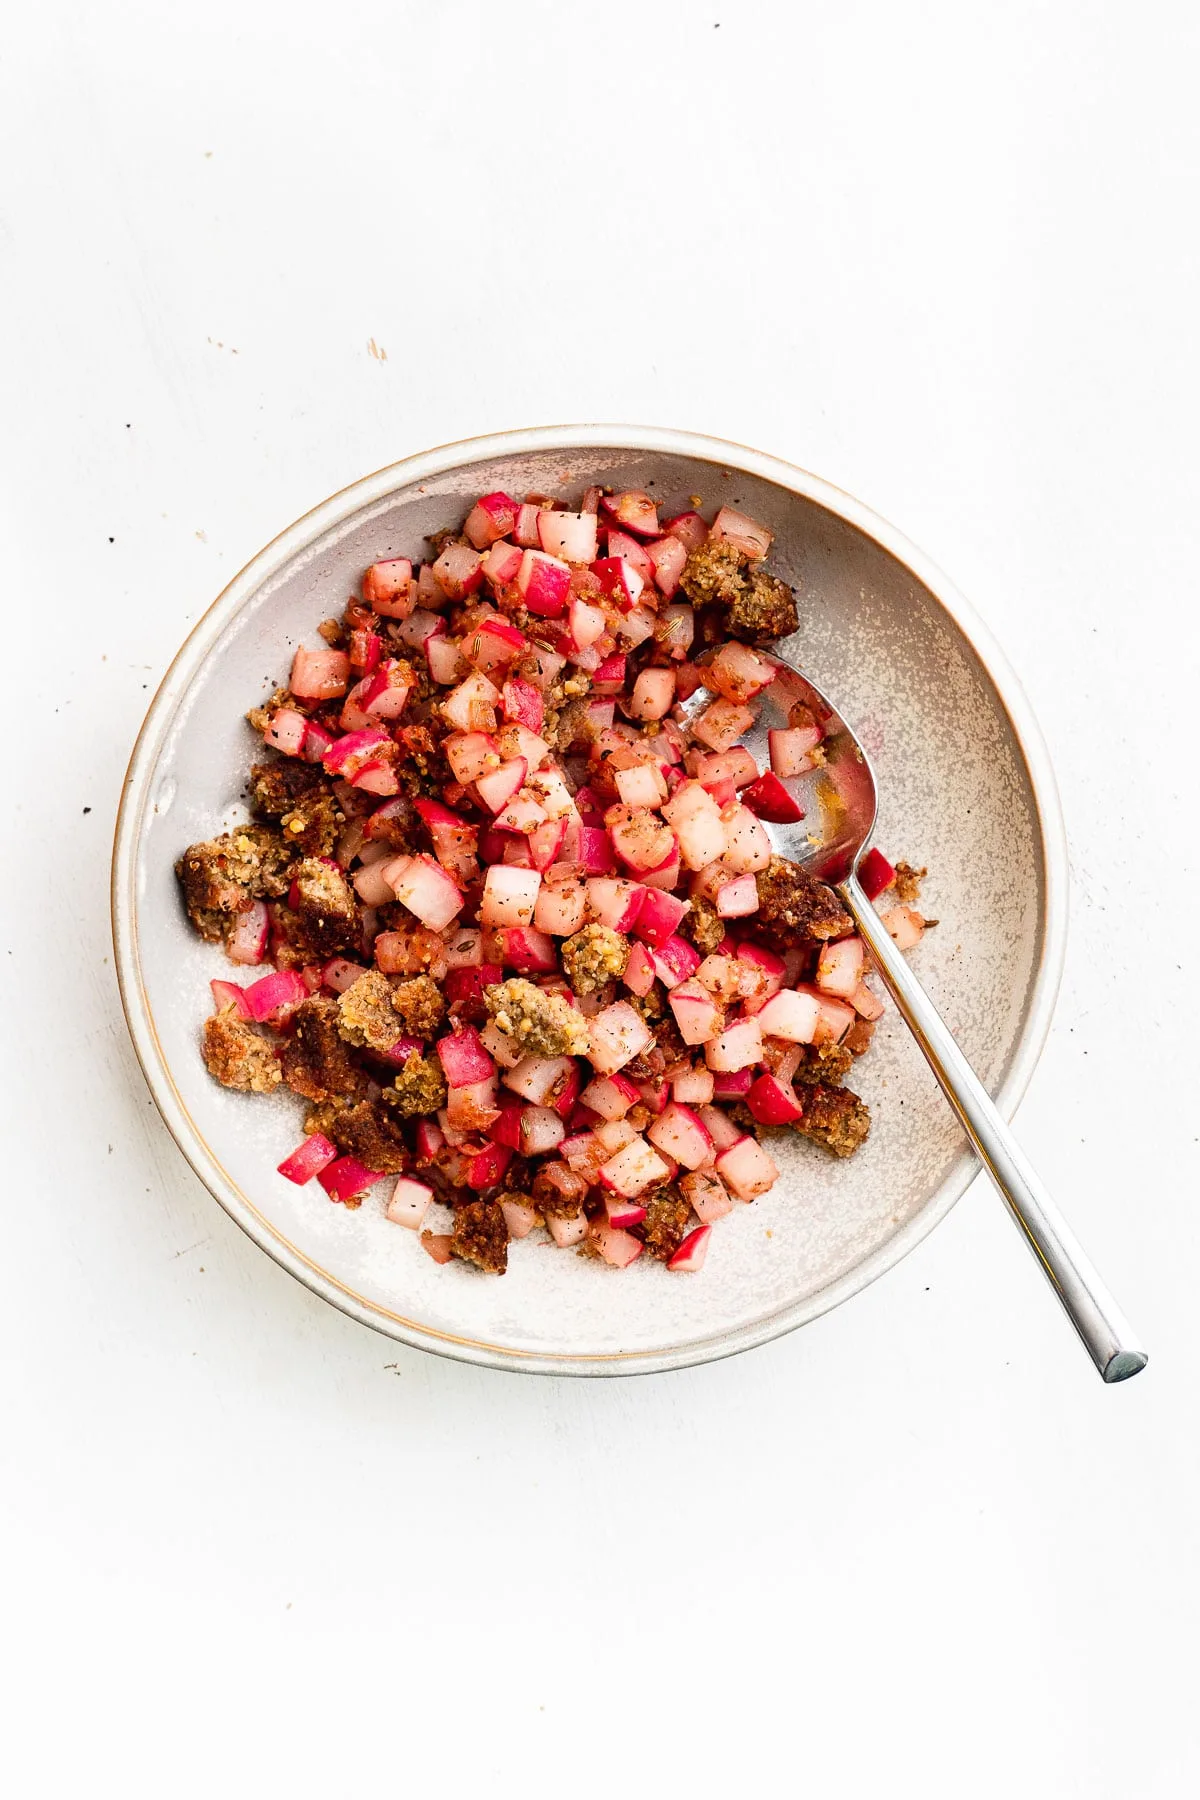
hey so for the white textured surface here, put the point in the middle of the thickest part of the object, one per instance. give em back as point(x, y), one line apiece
point(947, 261)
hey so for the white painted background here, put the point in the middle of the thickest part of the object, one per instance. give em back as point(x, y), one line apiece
point(946, 256)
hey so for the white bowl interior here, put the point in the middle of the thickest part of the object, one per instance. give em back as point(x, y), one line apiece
point(956, 795)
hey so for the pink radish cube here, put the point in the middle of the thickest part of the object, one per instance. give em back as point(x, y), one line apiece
point(610, 1095)
point(696, 820)
point(287, 731)
point(866, 1004)
point(541, 1131)
point(668, 555)
point(773, 1102)
point(619, 580)
point(498, 786)
point(319, 674)
point(905, 927)
point(834, 1016)
point(746, 1169)
point(738, 1047)
point(738, 898)
point(722, 724)
point(248, 941)
point(567, 1232)
point(694, 1087)
point(697, 1014)
point(313, 1155)
point(744, 533)
point(388, 588)
point(639, 971)
point(492, 516)
point(615, 1247)
point(747, 846)
point(538, 1079)
point(653, 694)
point(501, 1048)
point(707, 1194)
point(509, 896)
point(839, 969)
point(617, 1034)
point(676, 961)
point(689, 1258)
point(522, 703)
point(791, 750)
point(562, 909)
point(347, 1179)
point(500, 565)
point(409, 1203)
point(643, 785)
point(616, 904)
point(571, 536)
point(422, 885)
point(791, 1016)
point(681, 1134)
point(632, 1170)
point(458, 571)
point(689, 528)
point(721, 1128)
point(471, 754)
point(633, 510)
point(544, 584)
point(622, 1214)
point(464, 1058)
point(471, 706)
point(528, 950)
point(657, 917)
point(519, 1218)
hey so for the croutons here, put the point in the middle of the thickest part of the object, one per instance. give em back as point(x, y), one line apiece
point(238, 1056)
point(541, 1024)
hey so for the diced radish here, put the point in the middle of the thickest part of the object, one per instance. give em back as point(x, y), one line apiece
point(689, 1258)
point(636, 626)
point(622, 1214)
point(400, 1052)
point(835, 1017)
point(509, 897)
point(722, 724)
point(739, 1046)
point(616, 1035)
point(567, 1232)
point(707, 1194)
point(347, 1178)
point(736, 765)
point(519, 1218)
point(866, 1004)
point(689, 528)
point(642, 785)
point(875, 874)
point(668, 555)
point(617, 904)
point(632, 1170)
point(471, 706)
point(693, 1087)
point(308, 1159)
point(747, 846)
point(696, 820)
point(371, 885)
point(745, 534)
point(316, 742)
point(613, 1246)
point(595, 851)
point(773, 1102)
point(675, 630)
point(229, 993)
point(720, 1127)
point(409, 1203)
point(492, 644)
point(422, 885)
point(446, 665)
point(666, 875)
point(631, 550)
point(376, 778)
point(487, 1166)
point(681, 1134)
point(674, 961)
point(286, 732)
point(539, 1079)
point(275, 997)
point(545, 842)
point(529, 951)
point(611, 1096)
point(740, 673)
point(905, 927)
point(640, 840)
point(791, 1016)
point(548, 787)
point(387, 587)
point(586, 623)
point(791, 750)
point(571, 536)
point(522, 703)
point(746, 1169)
point(526, 528)
point(619, 580)
point(492, 516)
point(522, 815)
point(639, 971)
point(657, 917)
point(500, 564)
point(458, 571)
point(732, 1084)
point(471, 754)
point(738, 898)
point(634, 511)
point(697, 1014)
point(839, 969)
point(464, 1058)
point(768, 799)
point(653, 694)
point(438, 1245)
point(561, 909)
point(609, 678)
point(541, 1131)
point(544, 584)
point(319, 674)
point(248, 940)
point(500, 1047)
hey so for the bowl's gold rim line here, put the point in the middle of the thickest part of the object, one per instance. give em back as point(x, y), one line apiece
point(437, 461)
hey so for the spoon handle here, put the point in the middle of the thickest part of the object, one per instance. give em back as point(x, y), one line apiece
point(1097, 1318)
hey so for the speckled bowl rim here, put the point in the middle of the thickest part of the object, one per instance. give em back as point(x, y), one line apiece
point(304, 532)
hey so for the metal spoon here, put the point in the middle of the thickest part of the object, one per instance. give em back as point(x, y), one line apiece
point(839, 802)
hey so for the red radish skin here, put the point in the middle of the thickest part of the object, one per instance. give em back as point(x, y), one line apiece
point(493, 516)
point(773, 1102)
point(347, 1179)
point(275, 997)
point(633, 510)
point(682, 1135)
point(875, 874)
point(229, 993)
point(768, 799)
point(639, 974)
point(689, 1258)
point(308, 1159)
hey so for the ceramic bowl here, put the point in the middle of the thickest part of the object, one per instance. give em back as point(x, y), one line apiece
point(965, 788)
